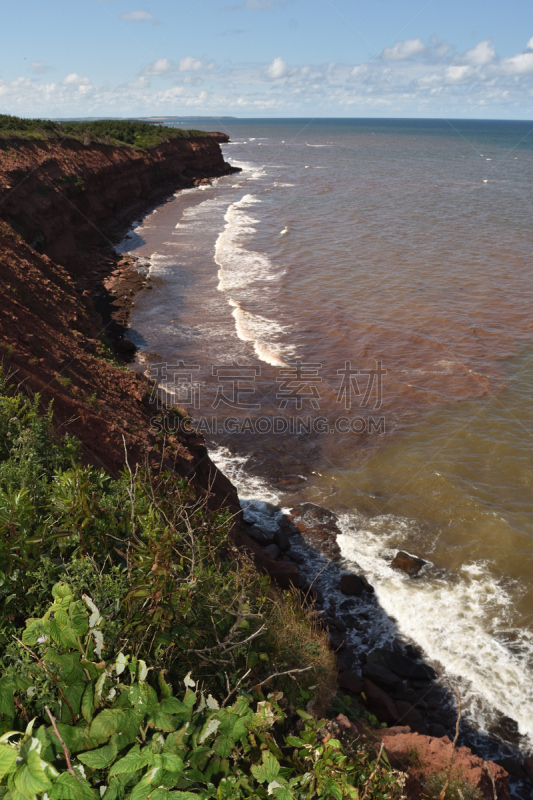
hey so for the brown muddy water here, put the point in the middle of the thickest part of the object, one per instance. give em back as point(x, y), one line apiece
point(348, 320)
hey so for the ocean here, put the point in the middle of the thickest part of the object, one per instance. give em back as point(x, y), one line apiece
point(348, 321)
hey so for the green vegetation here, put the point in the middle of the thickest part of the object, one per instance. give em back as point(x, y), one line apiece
point(116, 592)
point(456, 789)
point(117, 132)
point(114, 729)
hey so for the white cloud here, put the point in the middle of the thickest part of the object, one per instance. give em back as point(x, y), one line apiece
point(529, 45)
point(278, 69)
point(158, 67)
point(139, 16)
point(403, 50)
point(522, 64)
point(190, 64)
point(39, 67)
point(458, 74)
point(415, 77)
point(483, 53)
point(75, 80)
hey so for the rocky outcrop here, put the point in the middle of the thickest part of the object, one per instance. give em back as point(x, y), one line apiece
point(61, 195)
point(425, 757)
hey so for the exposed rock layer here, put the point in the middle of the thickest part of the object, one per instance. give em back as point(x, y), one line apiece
point(65, 200)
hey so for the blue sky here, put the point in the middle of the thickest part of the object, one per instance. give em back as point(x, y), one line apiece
point(268, 58)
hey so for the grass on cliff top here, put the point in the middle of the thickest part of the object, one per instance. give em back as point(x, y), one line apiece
point(107, 131)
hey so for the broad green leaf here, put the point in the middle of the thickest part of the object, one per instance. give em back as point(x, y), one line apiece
point(138, 696)
point(268, 770)
point(136, 759)
point(101, 758)
point(74, 693)
point(87, 702)
point(67, 787)
point(108, 722)
point(8, 756)
point(35, 629)
point(190, 699)
point(171, 705)
point(30, 779)
point(78, 619)
point(281, 792)
point(182, 796)
point(294, 741)
point(161, 721)
point(142, 789)
point(159, 794)
point(61, 590)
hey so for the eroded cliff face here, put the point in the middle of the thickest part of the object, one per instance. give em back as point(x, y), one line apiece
point(65, 199)
point(64, 196)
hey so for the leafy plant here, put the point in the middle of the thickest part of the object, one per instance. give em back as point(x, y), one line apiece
point(111, 729)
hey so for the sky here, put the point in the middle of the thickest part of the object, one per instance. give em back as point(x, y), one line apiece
point(267, 58)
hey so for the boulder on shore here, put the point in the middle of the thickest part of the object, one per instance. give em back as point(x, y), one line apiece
point(352, 585)
point(401, 665)
point(409, 564)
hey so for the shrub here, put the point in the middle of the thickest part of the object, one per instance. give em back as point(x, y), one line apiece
point(144, 135)
point(457, 788)
point(172, 587)
point(114, 729)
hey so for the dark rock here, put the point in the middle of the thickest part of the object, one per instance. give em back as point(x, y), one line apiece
point(409, 715)
point(351, 620)
point(281, 538)
point(285, 575)
point(409, 695)
point(408, 563)
point(438, 730)
point(350, 682)
point(337, 624)
point(347, 605)
point(287, 525)
point(401, 665)
point(368, 586)
point(515, 767)
point(272, 551)
point(125, 346)
point(297, 557)
point(381, 676)
point(380, 703)
point(507, 730)
point(412, 652)
point(345, 661)
point(336, 640)
point(260, 535)
point(323, 539)
point(528, 767)
point(352, 585)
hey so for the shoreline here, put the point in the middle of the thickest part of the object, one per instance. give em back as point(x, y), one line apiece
point(408, 701)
